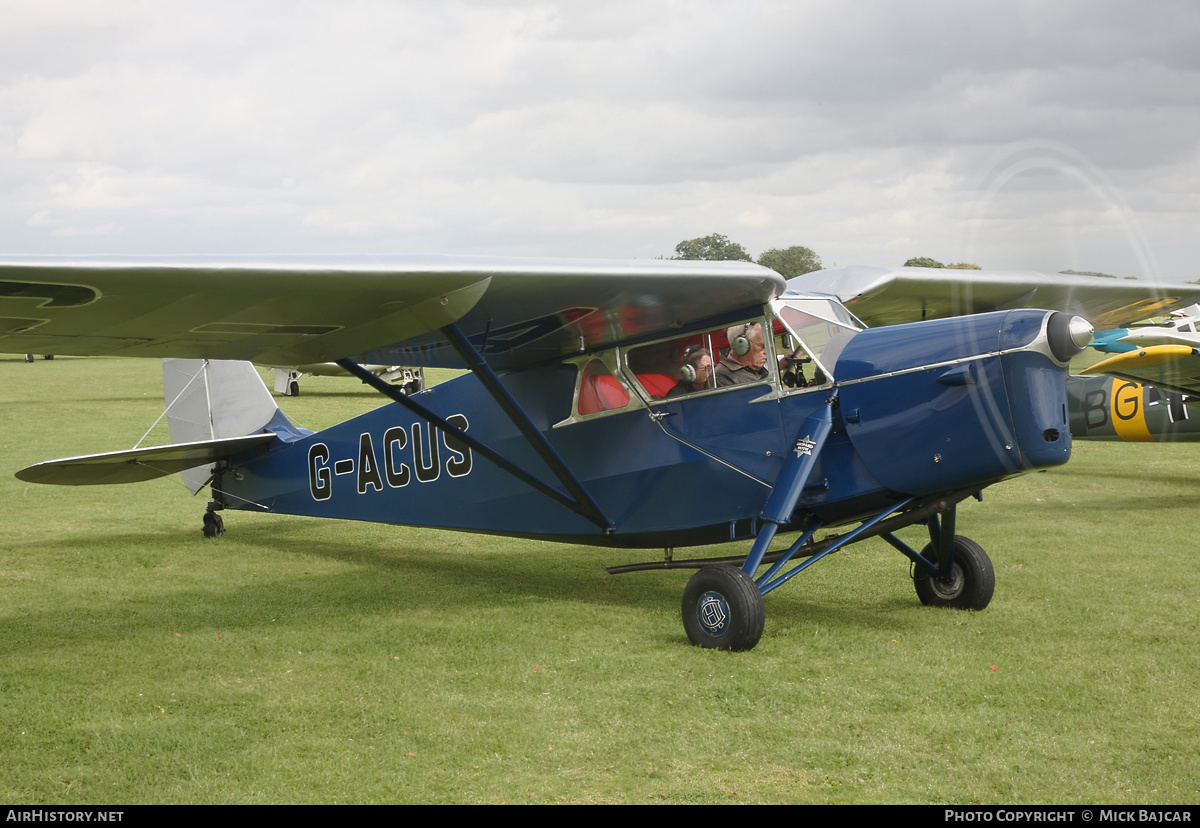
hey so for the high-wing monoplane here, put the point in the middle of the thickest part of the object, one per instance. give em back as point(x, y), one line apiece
point(580, 419)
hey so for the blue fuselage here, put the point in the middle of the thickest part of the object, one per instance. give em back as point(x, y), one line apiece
point(920, 409)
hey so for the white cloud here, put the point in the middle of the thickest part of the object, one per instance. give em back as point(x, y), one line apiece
point(612, 129)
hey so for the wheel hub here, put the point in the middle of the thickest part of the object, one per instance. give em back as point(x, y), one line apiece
point(949, 588)
point(713, 612)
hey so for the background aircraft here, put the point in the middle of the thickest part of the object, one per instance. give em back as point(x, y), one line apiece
point(287, 377)
point(571, 366)
point(1180, 331)
point(1166, 355)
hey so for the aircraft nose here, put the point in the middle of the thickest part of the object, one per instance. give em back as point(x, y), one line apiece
point(1081, 331)
point(1067, 336)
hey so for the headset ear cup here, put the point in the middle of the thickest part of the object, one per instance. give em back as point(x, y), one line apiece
point(740, 345)
point(687, 373)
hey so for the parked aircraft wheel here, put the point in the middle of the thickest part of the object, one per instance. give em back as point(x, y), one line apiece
point(972, 579)
point(723, 609)
point(214, 527)
point(293, 389)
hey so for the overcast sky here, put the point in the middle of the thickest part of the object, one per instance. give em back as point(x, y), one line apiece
point(1017, 135)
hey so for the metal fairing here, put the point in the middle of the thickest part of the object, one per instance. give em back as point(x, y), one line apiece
point(928, 405)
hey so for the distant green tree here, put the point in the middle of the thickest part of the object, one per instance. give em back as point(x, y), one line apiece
point(923, 261)
point(711, 248)
point(1088, 273)
point(791, 262)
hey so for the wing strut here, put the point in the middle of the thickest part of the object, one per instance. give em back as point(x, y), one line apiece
point(587, 506)
point(580, 501)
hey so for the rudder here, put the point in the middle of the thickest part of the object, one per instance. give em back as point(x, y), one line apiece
point(208, 399)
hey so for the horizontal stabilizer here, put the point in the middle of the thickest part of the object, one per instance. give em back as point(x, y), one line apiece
point(137, 464)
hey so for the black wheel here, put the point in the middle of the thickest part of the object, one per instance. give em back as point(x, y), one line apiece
point(723, 609)
point(293, 389)
point(214, 527)
point(972, 579)
point(29, 357)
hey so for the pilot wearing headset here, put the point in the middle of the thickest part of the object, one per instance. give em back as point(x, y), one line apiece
point(747, 357)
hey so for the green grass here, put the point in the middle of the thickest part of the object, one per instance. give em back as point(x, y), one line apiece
point(297, 660)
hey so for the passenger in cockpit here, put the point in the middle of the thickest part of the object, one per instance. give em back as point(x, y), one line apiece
point(695, 372)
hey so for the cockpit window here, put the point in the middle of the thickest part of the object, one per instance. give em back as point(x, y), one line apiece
point(599, 390)
point(675, 367)
point(684, 366)
point(817, 329)
point(817, 322)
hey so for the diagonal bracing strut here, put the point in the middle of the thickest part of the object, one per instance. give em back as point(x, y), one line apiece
point(579, 500)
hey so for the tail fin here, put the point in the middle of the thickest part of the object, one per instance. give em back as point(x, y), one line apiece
point(209, 399)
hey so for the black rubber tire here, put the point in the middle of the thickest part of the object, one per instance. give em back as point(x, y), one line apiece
point(972, 579)
point(723, 609)
point(293, 389)
point(214, 527)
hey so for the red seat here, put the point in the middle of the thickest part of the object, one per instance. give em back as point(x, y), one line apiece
point(601, 393)
point(657, 384)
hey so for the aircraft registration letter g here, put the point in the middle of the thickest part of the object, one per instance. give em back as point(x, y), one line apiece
point(320, 483)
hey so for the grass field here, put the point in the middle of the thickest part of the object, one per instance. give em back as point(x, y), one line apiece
point(297, 660)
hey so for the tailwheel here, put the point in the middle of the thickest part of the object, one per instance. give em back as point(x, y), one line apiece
point(970, 585)
point(723, 609)
point(214, 527)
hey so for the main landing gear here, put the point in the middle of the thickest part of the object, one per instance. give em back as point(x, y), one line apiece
point(723, 603)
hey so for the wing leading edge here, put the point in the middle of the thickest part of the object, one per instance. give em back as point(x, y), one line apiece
point(295, 310)
point(886, 296)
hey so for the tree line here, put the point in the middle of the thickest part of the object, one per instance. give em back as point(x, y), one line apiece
point(797, 260)
point(788, 262)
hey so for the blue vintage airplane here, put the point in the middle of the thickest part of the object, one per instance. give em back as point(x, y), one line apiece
point(584, 418)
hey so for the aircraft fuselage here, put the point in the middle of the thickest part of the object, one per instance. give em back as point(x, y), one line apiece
point(921, 408)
